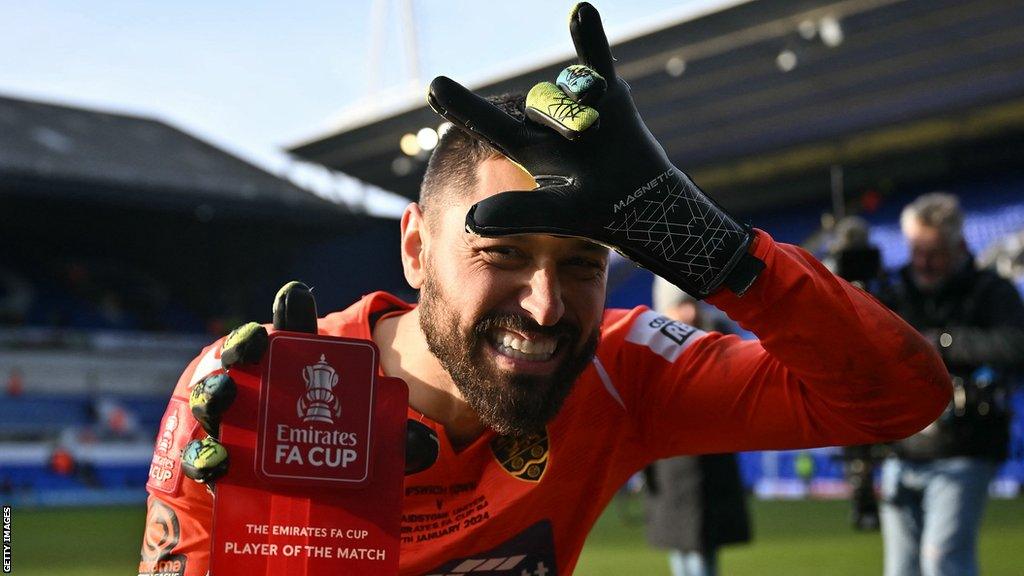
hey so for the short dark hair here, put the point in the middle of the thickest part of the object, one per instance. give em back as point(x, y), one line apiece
point(453, 164)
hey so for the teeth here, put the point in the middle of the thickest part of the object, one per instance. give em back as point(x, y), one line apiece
point(521, 348)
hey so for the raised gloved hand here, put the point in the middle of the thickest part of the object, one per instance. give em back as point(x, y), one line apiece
point(601, 175)
point(206, 460)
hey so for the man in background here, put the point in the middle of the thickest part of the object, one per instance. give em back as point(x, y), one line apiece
point(934, 490)
point(695, 504)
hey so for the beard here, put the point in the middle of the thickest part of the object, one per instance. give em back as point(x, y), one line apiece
point(512, 404)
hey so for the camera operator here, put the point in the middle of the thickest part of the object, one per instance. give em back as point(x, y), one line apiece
point(853, 257)
point(935, 487)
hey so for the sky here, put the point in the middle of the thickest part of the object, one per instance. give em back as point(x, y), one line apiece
point(255, 77)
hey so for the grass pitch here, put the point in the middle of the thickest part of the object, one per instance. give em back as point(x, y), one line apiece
point(791, 538)
point(798, 538)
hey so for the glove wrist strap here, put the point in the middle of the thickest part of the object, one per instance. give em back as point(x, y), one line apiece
point(742, 277)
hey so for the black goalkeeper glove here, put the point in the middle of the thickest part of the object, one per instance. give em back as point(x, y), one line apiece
point(601, 175)
point(206, 460)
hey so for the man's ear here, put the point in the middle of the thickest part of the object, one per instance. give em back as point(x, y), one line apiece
point(414, 234)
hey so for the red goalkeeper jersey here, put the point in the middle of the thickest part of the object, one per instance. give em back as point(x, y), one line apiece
point(832, 367)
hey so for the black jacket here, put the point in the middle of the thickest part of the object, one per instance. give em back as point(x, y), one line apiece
point(696, 503)
point(976, 320)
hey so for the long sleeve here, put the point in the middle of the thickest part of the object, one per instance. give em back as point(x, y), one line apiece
point(832, 367)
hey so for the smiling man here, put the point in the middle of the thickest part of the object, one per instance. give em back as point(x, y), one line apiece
point(543, 403)
point(511, 322)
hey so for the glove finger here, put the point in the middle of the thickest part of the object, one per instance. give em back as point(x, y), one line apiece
point(546, 104)
point(476, 115)
point(244, 345)
point(204, 460)
point(210, 398)
point(421, 447)
point(546, 210)
point(582, 83)
point(590, 41)
point(295, 308)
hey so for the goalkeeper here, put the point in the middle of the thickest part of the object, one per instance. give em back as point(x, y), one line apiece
point(532, 404)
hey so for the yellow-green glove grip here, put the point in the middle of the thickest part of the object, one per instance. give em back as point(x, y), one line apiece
point(204, 460)
point(546, 104)
point(210, 398)
point(581, 83)
point(244, 345)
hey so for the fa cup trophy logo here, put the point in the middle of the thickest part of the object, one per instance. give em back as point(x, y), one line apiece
point(319, 404)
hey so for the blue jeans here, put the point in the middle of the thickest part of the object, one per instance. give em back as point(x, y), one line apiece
point(930, 515)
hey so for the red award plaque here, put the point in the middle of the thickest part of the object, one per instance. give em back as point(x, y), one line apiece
point(317, 448)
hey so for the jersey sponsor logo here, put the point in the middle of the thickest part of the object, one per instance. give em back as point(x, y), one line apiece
point(525, 458)
point(176, 430)
point(529, 553)
point(162, 534)
point(664, 336)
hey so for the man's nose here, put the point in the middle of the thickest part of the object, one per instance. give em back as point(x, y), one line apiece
point(543, 297)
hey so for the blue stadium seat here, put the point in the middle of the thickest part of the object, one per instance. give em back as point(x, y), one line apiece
point(148, 409)
point(36, 476)
point(122, 476)
point(43, 414)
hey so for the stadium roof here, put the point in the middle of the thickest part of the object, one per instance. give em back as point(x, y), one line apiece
point(869, 79)
point(52, 150)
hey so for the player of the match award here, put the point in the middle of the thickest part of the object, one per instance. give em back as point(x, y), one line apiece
point(317, 448)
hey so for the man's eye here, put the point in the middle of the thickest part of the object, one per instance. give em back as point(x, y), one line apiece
point(502, 252)
point(586, 263)
point(586, 268)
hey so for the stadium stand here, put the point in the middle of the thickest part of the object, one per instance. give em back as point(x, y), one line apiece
point(135, 245)
point(113, 209)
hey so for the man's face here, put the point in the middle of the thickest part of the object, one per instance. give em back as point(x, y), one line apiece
point(513, 320)
point(933, 258)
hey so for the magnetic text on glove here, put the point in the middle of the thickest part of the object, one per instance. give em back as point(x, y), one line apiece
point(639, 192)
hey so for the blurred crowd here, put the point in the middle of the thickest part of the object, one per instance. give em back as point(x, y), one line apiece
point(95, 294)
